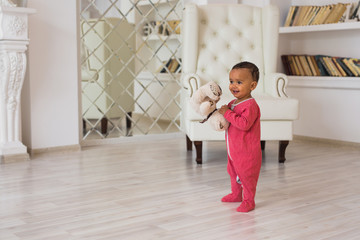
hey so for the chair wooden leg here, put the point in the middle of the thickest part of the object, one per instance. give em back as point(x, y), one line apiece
point(262, 145)
point(188, 144)
point(104, 125)
point(128, 119)
point(198, 146)
point(282, 148)
point(128, 123)
point(84, 126)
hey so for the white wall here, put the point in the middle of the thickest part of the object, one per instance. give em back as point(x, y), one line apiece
point(328, 113)
point(50, 99)
point(257, 3)
point(204, 2)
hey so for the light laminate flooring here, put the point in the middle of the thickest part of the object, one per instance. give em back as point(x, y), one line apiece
point(155, 190)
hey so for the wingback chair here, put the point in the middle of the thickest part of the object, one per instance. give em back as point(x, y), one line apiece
point(215, 38)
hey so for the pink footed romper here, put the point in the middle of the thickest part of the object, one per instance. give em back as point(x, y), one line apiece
point(244, 152)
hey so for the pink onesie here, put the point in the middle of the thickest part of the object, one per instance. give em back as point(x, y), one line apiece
point(244, 151)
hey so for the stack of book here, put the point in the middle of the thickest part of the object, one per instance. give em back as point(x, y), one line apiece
point(171, 66)
point(164, 28)
point(320, 65)
point(313, 15)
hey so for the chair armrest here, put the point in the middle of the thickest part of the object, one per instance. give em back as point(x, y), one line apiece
point(275, 84)
point(190, 82)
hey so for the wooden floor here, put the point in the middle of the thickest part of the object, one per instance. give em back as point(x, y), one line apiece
point(148, 190)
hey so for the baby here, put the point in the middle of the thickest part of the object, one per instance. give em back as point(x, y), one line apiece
point(243, 136)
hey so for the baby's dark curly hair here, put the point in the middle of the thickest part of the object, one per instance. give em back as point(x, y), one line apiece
point(254, 70)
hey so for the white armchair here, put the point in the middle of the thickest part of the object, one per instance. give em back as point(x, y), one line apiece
point(216, 37)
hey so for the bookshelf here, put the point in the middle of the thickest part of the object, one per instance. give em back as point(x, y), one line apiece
point(157, 37)
point(156, 88)
point(146, 3)
point(327, 104)
point(321, 39)
point(164, 43)
point(163, 77)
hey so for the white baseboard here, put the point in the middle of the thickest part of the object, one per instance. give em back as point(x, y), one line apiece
point(327, 141)
point(140, 138)
point(14, 158)
point(62, 149)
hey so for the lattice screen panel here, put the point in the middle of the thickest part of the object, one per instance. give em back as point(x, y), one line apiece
point(130, 67)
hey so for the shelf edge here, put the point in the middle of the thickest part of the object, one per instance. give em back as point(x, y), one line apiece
point(349, 83)
point(321, 27)
point(160, 76)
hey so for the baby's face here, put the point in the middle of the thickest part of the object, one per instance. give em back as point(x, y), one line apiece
point(241, 83)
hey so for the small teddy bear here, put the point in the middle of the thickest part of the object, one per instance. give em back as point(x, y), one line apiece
point(204, 103)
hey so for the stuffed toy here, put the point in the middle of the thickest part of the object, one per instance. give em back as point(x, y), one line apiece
point(204, 102)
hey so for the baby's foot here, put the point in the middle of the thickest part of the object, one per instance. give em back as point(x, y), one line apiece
point(232, 197)
point(246, 206)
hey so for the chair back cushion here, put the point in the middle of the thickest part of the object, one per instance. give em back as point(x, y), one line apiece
point(217, 36)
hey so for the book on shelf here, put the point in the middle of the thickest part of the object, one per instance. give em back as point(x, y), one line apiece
point(312, 65)
point(311, 15)
point(338, 67)
point(288, 68)
point(296, 8)
point(344, 67)
point(289, 65)
point(300, 15)
point(174, 26)
point(307, 15)
point(342, 12)
point(325, 14)
point(326, 67)
point(295, 66)
point(173, 65)
point(354, 69)
point(290, 16)
point(357, 64)
point(305, 65)
point(164, 28)
point(346, 16)
point(337, 72)
point(301, 71)
point(336, 13)
point(329, 67)
point(319, 15)
point(320, 65)
point(354, 11)
point(329, 9)
point(348, 65)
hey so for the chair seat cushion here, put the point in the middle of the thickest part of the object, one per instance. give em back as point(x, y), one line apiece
point(272, 108)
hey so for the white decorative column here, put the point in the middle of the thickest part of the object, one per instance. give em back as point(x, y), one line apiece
point(13, 44)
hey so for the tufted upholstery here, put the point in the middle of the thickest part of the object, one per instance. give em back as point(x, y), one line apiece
point(216, 37)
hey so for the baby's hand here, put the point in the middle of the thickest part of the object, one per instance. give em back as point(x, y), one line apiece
point(223, 109)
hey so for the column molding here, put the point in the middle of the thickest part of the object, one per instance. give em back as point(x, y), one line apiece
point(13, 45)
